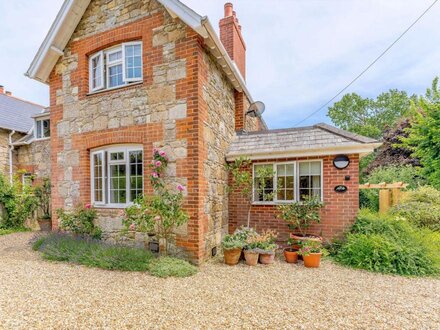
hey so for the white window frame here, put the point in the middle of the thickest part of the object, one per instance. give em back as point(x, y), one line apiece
point(27, 176)
point(106, 64)
point(295, 181)
point(110, 64)
point(124, 71)
point(106, 152)
point(100, 86)
point(43, 136)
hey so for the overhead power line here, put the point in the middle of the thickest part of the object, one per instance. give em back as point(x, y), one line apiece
point(369, 66)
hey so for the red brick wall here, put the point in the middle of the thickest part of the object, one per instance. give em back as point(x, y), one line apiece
point(337, 215)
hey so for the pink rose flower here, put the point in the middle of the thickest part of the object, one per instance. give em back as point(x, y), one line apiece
point(155, 151)
point(88, 206)
point(154, 175)
point(158, 163)
point(180, 188)
point(162, 153)
point(132, 227)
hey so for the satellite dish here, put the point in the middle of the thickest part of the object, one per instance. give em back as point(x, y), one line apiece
point(256, 109)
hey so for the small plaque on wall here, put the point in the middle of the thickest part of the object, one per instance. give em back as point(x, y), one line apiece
point(341, 189)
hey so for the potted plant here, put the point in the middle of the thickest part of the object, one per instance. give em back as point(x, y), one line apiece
point(232, 247)
point(300, 216)
point(266, 246)
point(311, 251)
point(251, 252)
point(42, 193)
point(291, 253)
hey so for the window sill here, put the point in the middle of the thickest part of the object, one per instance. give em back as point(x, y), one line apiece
point(42, 139)
point(112, 207)
point(115, 88)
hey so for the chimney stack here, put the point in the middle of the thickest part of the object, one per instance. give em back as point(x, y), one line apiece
point(8, 93)
point(2, 89)
point(232, 39)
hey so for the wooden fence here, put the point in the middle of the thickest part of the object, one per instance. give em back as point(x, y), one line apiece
point(389, 193)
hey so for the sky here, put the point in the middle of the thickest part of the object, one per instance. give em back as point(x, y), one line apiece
point(300, 52)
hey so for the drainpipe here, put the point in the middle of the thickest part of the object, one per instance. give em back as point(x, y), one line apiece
point(11, 148)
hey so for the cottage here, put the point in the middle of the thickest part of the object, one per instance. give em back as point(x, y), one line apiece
point(24, 138)
point(129, 76)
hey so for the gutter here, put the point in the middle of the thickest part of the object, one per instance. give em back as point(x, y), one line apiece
point(11, 148)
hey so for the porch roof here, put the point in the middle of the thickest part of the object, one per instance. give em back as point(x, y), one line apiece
point(318, 140)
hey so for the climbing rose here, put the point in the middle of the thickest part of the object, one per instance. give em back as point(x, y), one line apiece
point(88, 206)
point(180, 188)
point(155, 151)
point(158, 163)
point(132, 227)
point(162, 153)
point(154, 175)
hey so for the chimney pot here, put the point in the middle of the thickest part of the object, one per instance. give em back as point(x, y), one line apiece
point(2, 89)
point(229, 9)
point(8, 93)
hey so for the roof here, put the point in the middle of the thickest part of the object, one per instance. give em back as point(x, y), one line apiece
point(16, 114)
point(72, 11)
point(317, 140)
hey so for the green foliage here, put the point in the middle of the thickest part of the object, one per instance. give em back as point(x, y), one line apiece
point(92, 253)
point(369, 198)
point(13, 231)
point(171, 267)
point(80, 221)
point(19, 202)
point(42, 193)
point(370, 117)
point(424, 134)
point(301, 215)
point(420, 207)
point(390, 245)
point(162, 213)
point(310, 246)
point(231, 242)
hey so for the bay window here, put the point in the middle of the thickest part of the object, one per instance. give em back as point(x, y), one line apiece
point(287, 182)
point(116, 175)
point(116, 66)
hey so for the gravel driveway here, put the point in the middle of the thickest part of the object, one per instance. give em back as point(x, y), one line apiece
point(35, 294)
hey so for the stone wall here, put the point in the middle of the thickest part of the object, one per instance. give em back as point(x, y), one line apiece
point(34, 158)
point(4, 151)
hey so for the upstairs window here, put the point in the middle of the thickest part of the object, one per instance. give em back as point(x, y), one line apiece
point(116, 66)
point(42, 129)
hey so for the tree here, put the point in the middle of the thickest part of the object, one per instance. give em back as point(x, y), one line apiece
point(424, 134)
point(370, 117)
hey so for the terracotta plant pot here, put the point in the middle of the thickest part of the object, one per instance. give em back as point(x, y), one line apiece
point(291, 255)
point(251, 258)
point(232, 257)
point(267, 258)
point(313, 260)
point(45, 224)
point(306, 237)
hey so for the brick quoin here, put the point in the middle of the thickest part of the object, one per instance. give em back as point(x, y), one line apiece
point(339, 212)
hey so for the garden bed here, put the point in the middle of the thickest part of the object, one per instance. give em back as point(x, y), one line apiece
point(40, 294)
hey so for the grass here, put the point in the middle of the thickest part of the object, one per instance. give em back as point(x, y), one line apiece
point(91, 253)
point(12, 231)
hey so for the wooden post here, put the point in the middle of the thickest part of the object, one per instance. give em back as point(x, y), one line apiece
point(396, 196)
point(384, 200)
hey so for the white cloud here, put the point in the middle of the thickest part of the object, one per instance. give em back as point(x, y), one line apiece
point(300, 52)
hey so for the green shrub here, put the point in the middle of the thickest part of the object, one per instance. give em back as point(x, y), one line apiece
point(171, 267)
point(390, 245)
point(19, 202)
point(80, 221)
point(369, 198)
point(421, 207)
point(93, 253)
point(12, 231)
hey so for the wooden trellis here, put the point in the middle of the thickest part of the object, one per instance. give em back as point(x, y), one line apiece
point(389, 193)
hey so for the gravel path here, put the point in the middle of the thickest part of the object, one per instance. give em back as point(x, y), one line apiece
point(36, 294)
